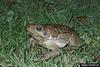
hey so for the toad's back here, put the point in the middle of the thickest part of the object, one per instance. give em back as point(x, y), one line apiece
point(53, 37)
point(63, 32)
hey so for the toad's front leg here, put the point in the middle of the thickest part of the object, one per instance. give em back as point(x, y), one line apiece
point(32, 42)
point(55, 51)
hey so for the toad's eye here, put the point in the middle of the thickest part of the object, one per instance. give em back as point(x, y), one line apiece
point(38, 28)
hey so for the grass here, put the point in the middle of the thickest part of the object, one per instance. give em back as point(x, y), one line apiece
point(16, 14)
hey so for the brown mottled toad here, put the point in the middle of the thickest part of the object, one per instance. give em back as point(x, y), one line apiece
point(53, 37)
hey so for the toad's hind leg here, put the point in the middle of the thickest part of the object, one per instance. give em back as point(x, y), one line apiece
point(55, 52)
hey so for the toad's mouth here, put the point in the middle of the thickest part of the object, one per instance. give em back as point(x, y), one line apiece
point(35, 35)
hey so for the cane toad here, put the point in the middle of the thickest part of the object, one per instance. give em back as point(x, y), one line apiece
point(53, 37)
